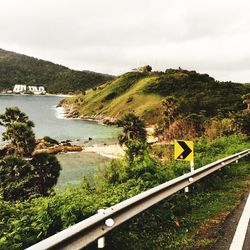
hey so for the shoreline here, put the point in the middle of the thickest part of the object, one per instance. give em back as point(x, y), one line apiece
point(110, 151)
point(47, 94)
point(67, 111)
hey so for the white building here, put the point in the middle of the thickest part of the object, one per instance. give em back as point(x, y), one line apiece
point(18, 89)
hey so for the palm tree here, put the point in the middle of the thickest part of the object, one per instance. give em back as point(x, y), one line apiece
point(18, 131)
point(171, 109)
point(14, 114)
point(133, 129)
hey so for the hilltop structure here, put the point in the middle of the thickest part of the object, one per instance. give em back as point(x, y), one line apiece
point(24, 89)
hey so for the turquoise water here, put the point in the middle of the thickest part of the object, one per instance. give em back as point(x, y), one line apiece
point(42, 111)
point(77, 165)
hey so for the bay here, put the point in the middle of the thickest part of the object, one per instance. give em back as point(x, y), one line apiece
point(42, 111)
point(49, 122)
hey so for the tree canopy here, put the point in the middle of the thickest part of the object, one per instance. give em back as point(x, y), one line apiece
point(133, 129)
point(18, 132)
point(20, 69)
point(24, 178)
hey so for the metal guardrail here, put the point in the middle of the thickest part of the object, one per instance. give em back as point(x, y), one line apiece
point(83, 233)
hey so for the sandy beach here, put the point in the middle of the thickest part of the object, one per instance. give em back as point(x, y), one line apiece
point(110, 151)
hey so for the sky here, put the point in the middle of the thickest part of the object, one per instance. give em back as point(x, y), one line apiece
point(115, 36)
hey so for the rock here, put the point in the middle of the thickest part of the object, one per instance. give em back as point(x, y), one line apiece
point(58, 149)
point(66, 141)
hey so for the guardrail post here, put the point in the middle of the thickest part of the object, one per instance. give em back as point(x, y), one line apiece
point(101, 241)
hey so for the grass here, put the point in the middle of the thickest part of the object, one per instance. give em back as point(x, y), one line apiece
point(218, 205)
point(199, 215)
point(196, 93)
point(124, 88)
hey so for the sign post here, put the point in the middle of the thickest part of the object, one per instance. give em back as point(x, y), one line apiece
point(192, 166)
point(184, 150)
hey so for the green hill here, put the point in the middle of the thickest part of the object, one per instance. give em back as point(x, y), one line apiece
point(20, 69)
point(143, 93)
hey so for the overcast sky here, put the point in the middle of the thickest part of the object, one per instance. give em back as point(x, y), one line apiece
point(114, 36)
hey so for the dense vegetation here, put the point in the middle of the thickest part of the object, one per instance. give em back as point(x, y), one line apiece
point(144, 92)
point(20, 69)
point(170, 225)
point(23, 175)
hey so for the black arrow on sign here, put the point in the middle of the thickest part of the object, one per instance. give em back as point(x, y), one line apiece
point(186, 150)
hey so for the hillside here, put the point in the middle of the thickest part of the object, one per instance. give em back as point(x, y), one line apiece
point(20, 69)
point(143, 93)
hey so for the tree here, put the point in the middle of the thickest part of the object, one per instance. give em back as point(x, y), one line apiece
point(135, 148)
point(15, 179)
point(21, 137)
point(22, 179)
point(14, 114)
point(246, 100)
point(171, 109)
point(145, 69)
point(46, 170)
point(241, 122)
point(133, 129)
point(215, 128)
point(196, 121)
point(18, 131)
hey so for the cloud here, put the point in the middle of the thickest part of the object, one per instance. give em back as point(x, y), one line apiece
point(115, 36)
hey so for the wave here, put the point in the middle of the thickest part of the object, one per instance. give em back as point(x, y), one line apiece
point(60, 113)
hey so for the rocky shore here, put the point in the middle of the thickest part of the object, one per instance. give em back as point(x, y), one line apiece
point(70, 112)
point(44, 146)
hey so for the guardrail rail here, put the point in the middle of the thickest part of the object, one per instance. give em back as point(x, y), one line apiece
point(89, 230)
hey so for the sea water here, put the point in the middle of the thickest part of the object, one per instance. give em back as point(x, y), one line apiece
point(49, 121)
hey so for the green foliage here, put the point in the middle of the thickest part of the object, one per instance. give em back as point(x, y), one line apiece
point(109, 97)
point(242, 122)
point(194, 93)
point(15, 179)
point(46, 170)
point(171, 109)
point(50, 140)
point(170, 224)
point(14, 114)
point(133, 129)
point(135, 148)
point(23, 179)
point(20, 69)
point(145, 168)
point(18, 131)
point(199, 92)
point(21, 137)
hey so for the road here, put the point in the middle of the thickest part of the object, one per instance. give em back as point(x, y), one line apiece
point(229, 227)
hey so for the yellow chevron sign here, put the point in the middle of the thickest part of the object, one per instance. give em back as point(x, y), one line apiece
point(183, 150)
